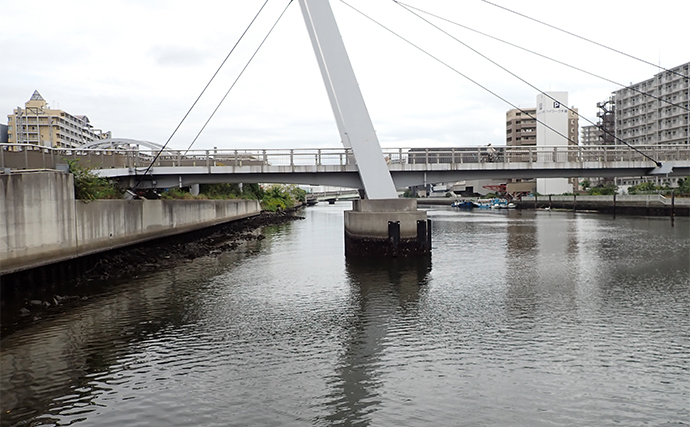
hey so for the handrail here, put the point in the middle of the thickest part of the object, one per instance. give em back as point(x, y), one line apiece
point(28, 156)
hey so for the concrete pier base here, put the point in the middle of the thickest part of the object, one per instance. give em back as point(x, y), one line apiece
point(386, 228)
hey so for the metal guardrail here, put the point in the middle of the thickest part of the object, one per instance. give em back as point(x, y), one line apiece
point(26, 156)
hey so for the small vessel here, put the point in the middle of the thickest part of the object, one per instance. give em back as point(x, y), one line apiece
point(485, 203)
point(502, 204)
point(463, 204)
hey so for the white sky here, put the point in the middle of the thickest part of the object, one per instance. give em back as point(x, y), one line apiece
point(136, 66)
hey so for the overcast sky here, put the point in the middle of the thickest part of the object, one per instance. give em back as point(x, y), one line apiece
point(134, 67)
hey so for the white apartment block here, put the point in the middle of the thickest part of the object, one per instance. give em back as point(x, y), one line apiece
point(590, 135)
point(643, 119)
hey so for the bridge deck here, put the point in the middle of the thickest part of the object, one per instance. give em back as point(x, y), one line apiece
point(337, 166)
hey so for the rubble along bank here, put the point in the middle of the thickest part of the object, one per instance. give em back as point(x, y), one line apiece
point(28, 295)
point(173, 250)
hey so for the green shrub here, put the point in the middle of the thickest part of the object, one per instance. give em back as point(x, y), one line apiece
point(607, 189)
point(177, 194)
point(281, 197)
point(643, 188)
point(221, 191)
point(684, 186)
point(89, 186)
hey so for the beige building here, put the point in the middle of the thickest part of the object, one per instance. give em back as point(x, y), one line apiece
point(521, 129)
point(39, 124)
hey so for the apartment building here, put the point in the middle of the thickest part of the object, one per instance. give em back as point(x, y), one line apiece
point(39, 124)
point(521, 127)
point(591, 135)
point(655, 111)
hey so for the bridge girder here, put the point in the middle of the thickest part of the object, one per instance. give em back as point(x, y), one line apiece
point(350, 178)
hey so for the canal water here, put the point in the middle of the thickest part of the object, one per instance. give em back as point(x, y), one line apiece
point(520, 318)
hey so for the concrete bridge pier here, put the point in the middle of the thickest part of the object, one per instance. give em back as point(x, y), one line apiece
point(381, 225)
point(386, 228)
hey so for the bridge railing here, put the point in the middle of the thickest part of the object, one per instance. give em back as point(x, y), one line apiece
point(27, 156)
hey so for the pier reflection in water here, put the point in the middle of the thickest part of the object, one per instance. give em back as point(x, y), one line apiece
point(519, 318)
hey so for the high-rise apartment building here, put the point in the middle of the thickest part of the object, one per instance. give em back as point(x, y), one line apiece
point(38, 124)
point(655, 111)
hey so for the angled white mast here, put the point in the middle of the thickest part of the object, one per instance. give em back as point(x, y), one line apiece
point(351, 115)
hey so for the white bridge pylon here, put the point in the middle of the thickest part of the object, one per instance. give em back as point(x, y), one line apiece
point(351, 115)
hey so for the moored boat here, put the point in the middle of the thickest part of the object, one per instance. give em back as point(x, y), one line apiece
point(463, 204)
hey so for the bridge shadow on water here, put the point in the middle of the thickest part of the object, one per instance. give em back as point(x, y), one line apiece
point(384, 293)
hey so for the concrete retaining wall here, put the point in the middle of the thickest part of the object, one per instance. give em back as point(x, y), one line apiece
point(42, 223)
point(653, 204)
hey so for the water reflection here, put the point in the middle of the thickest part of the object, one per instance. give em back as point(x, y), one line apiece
point(384, 292)
point(526, 319)
point(49, 370)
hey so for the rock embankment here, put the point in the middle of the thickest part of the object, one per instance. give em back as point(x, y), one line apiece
point(173, 250)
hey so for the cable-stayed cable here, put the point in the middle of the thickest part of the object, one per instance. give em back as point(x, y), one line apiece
point(544, 56)
point(521, 79)
point(582, 38)
point(238, 77)
point(199, 97)
point(451, 68)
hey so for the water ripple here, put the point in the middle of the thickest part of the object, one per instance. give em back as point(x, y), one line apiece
point(521, 319)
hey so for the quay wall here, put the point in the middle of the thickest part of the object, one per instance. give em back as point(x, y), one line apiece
point(646, 205)
point(41, 222)
point(652, 205)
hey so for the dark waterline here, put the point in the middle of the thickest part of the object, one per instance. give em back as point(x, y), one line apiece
point(520, 318)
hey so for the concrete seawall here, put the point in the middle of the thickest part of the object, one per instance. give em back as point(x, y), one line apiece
point(653, 204)
point(41, 222)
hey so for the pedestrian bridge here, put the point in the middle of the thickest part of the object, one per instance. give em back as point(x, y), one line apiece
point(146, 168)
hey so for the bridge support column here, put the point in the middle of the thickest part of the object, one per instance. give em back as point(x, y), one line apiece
point(386, 228)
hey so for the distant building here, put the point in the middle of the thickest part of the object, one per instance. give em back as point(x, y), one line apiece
point(591, 135)
point(3, 134)
point(652, 112)
point(556, 127)
point(521, 129)
point(641, 118)
point(38, 124)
